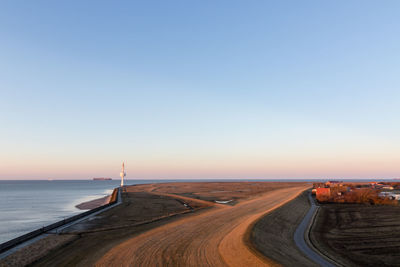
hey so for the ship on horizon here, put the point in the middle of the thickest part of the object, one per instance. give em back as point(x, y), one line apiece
point(102, 179)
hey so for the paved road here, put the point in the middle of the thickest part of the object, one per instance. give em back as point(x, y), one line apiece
point(211, 238)
point(301, 243)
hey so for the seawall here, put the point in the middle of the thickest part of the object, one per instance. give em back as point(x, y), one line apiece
point(26, 237)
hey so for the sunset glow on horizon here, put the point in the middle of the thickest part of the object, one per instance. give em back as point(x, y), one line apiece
point(206, 90)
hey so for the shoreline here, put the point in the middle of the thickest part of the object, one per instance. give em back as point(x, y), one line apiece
point(95, 203)
point(14, 245)
point(24, 209)
point(101, 239)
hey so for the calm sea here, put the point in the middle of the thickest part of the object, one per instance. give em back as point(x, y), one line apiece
point(28, 205)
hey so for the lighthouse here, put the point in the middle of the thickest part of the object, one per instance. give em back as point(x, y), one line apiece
point(122, 174)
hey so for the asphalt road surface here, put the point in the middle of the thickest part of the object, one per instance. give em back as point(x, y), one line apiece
point(301, 243)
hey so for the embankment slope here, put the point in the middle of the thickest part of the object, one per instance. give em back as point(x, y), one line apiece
point(272, 235)
point(139, 212)
point(199, 240)
point(172, 225)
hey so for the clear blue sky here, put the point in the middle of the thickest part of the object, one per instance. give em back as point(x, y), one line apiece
point(199, 89)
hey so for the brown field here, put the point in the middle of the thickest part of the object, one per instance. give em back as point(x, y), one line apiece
point(359, 235)
point(153, 227)
point(273, 234)
point(214, 191)
point(216, 237)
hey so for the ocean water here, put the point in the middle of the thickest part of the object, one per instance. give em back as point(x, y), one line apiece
point(28, 205)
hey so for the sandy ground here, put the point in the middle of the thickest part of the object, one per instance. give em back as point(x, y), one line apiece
point(215, 191)
point(94, 203)
point(212, 238)
point(139, 212)
point(170, 225)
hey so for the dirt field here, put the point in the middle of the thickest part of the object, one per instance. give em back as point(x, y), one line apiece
point(212, 238)
point(215, 191)
point(101, 233)
point(359, 235)
point(161, 224)
point(273, 234)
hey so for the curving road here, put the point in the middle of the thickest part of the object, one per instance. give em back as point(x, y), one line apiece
point(210, 238)
point(299, 237)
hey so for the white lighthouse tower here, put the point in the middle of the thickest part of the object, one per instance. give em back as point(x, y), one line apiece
point(122, 174)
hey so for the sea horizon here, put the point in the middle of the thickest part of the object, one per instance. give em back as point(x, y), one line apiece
point(31, 204)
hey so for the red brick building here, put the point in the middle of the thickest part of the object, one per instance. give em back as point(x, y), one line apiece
point(323, 194)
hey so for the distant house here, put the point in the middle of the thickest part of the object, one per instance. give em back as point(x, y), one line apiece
point(323, 194)
point(333, 183)
point(390, 195)
point(387, 187)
